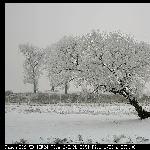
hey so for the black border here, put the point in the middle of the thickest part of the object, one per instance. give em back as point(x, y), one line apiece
point(2, 103)
point(76, 146)
point(51, 146)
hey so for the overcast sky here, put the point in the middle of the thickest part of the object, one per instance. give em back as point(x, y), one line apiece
point(44, 24)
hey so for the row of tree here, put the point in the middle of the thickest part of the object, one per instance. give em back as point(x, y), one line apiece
point(114, 62)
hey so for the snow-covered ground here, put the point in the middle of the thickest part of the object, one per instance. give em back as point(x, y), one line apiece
point(75, 123)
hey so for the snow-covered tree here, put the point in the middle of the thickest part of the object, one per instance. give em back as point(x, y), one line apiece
point(33, 63)
point(62, 60)
point(112, 61)
point(117, 63)
point(50, 65)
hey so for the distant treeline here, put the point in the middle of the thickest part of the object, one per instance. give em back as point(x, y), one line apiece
point(54, 98)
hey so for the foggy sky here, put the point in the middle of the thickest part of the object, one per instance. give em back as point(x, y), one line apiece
point(43, 24)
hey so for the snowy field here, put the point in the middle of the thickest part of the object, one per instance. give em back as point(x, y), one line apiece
point(75, 123)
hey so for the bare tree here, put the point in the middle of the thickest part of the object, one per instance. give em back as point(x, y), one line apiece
point(116, 63)
point(32, 64)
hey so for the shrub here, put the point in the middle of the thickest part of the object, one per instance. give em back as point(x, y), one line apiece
point(80, 137)
point(40, 98)
point(8, 92)
point(54, 98)
point(12, 98)
point(60, 141)
point(22, 141)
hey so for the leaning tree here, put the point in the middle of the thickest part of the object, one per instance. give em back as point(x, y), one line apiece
point(117, 63)
point(33, 63)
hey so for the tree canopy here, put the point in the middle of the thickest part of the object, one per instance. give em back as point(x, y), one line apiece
point(112, 61)
point(33, 64)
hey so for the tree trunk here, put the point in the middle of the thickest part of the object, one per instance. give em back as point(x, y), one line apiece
point(133, 101)
point(141, 112)
point(66, 87)
point(34, 87)
point(53, 88)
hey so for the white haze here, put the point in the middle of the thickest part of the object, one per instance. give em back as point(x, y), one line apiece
point(44, 24)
